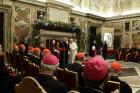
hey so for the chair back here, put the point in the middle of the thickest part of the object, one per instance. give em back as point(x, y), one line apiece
point(31, 69)
point(111, 86)
point(29, 85)
point(18, 63)
point(68, 77)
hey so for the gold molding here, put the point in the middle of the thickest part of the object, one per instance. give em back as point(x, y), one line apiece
point(7, 38)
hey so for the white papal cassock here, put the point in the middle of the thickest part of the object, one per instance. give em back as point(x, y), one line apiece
point(73, 52)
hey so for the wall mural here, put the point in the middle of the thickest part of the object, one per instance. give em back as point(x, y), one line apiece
point(135, 25)
point(108, 39)
point(82, 24)
point(127, 39)
point(136, 39)
point(21, 32)
point(104, 6)
point(22, 15)
point(77, 2)
point(110, 7)
point(58, 15)
point(94, 5)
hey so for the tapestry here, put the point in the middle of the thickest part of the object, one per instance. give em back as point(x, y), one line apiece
point(21, 32)
point(22, 15)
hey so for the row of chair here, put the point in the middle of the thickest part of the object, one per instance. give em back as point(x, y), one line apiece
point(28, 69)
point(29, 83)
point(21, 65)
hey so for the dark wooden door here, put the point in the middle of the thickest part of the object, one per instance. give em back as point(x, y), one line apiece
point(48, 43)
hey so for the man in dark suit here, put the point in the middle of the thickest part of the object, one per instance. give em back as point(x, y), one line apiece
point(105, 50)
point(64, 47)
point(47, 79)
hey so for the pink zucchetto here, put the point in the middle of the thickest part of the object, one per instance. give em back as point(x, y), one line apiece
point(95, 69)
point(50, 60)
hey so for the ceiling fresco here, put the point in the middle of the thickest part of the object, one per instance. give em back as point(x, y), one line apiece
point(104, 8)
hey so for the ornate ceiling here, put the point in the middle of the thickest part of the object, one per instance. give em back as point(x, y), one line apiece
point(104, 8)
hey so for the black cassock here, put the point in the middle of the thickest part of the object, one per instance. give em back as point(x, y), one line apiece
point(105, 50)
point(64, 47)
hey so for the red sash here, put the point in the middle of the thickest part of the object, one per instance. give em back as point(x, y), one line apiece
point(119, 55)
point(63, 49)
point(127, 56)
point(135, 57)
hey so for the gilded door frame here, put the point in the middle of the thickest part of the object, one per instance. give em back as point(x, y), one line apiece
point(7, 38)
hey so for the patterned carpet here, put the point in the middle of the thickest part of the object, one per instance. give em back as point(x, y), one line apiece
point(128, 72)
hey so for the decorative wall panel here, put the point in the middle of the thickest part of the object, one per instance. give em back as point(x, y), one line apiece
point(58, 15)
point(22, 15)
point(83, 41)
point(136, 40)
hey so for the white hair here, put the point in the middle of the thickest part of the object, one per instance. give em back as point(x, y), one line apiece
point(73, 91)
point(48, 67)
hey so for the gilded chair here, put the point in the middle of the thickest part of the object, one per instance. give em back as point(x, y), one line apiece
point(68, 77)
point(29, 85)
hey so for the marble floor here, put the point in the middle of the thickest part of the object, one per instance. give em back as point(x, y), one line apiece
point(130, 74)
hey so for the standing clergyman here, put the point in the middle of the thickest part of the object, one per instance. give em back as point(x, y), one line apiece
point(64, 47)
point(73, 51)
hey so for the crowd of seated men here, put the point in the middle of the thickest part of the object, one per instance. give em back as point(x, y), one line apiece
point(127, 54)
point(91, 77)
